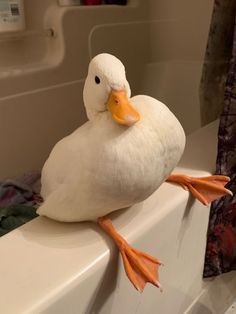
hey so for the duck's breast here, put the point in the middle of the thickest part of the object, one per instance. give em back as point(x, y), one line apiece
point(103, 166)
point(132, 162)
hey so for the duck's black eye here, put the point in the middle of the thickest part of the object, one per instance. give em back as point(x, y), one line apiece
point(97, 80)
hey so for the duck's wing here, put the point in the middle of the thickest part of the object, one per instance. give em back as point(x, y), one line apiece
point(62, 163)
point(65, 179)
point(61, 205)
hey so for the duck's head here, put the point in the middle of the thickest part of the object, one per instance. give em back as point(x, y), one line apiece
point(107, 89)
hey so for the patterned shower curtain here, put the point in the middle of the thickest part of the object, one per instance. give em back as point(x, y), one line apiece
point(221, 243)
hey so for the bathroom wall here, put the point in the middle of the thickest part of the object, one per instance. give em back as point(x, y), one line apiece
point(42, 70)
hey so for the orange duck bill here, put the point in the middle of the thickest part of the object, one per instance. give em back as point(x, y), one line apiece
point(121, 109)
point(140, 267)
point(205, 189)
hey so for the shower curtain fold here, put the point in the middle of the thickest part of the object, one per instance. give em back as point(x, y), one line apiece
point(221, 239)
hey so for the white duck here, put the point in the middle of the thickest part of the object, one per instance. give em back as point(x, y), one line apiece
point(118, 158)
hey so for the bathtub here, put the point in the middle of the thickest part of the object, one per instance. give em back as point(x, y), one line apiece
point(49, 267)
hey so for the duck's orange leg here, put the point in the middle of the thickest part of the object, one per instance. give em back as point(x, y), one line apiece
point(139, 267)
point(205, 189)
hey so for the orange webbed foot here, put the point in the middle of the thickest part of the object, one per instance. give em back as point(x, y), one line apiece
point(140, 267)
point(205, 189)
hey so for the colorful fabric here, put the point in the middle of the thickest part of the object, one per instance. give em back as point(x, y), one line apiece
point(221, 243)
point(18, 202)
point(14, 216)
point(20, 191)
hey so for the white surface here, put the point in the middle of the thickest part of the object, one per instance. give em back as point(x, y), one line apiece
point(216, 297)
point(49, 267)
point(232, 309)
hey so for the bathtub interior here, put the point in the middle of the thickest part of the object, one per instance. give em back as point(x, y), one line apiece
point(73, 266)
point(161, 43)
